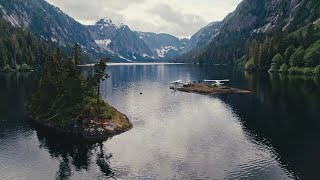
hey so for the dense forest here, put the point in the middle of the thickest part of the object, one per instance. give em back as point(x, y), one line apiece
point(262, 34)
point(20, 50)
point(66, 100)
point(64, 97)
point(296, 53)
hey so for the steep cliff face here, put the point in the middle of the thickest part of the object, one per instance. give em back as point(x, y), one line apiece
point(203, 36)
point(164, 45)
point(254, 18)
point(47, 22)
point(120, 40)
point(126, 41)
point(262, 15)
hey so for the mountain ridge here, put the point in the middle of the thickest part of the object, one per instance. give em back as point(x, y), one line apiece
point(253, 19)
point(124, 42)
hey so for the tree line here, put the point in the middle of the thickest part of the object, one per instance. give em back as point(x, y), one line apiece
point(20, 50)
point(64, 96)
point(296, 53)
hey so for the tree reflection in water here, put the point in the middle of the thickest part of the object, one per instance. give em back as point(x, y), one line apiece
point(73, 152)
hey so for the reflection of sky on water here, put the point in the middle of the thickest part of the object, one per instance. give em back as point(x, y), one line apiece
point(175, 135)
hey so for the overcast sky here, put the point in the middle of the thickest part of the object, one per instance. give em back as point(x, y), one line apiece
point(181, 18)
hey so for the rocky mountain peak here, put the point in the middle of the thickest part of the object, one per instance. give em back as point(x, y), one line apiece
point(108, 23)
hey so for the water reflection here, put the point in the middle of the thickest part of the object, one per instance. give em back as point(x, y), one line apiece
point(284, 111)
point(270, 134)
point(14, 89)
point(73, 152)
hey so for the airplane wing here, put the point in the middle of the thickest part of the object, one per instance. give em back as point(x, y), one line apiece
point(175, 82)
point(226, 80)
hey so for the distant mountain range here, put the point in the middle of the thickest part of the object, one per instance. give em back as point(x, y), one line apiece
point(120, 40)
point(219, 42)
point(105, 38)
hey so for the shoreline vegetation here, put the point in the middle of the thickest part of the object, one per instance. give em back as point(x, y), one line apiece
point(68, 102)
point(206, 89)
point(294, 54)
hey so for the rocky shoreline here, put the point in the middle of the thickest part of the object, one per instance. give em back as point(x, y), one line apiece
point(93, 129)
point(207, 89)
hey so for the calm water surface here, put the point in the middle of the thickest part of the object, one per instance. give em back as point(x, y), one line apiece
point(273, 133)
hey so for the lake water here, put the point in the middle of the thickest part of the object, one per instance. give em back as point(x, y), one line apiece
point(273, 133)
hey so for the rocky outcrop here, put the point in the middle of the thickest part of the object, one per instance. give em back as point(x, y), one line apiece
point(92, 129)
point(102, 129)
point(203, 36)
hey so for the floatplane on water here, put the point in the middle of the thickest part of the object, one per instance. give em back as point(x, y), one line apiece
point(179, 83)
point(216, 82)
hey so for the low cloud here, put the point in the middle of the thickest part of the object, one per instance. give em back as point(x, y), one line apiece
point(181, 18)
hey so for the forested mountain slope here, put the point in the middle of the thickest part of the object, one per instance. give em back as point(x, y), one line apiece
point(20, 49)
point(254, 19)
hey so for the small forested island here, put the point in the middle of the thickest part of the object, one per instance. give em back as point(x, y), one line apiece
point(203, 88)
point(67, 101)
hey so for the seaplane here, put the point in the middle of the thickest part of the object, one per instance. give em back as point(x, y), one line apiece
point(177, 84)
point(216, 82)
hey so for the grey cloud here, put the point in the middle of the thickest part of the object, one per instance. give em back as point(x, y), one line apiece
point(144, 15)
point(90, 11)
point(183, 24)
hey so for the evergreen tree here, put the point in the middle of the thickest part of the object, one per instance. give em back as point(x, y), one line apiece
point(100, 74)
point(310, 36)
point(277, 61)
point(76, 54)
point(296, 60)
point(3, 56)
point(287, 55)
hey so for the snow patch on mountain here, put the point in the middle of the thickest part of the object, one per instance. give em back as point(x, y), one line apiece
point(125, 58)
point(147, 56)
point(104, 42)
point(106, 22)
point(54, 40)
point(164, 50)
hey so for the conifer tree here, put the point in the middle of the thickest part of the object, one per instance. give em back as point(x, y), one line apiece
point(100, 74)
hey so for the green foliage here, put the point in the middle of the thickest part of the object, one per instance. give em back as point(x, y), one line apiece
point(296, 58)
point(100, 74)
point(308, 71)
point(250, 66)
point(76, 54)
point(316, 71)
point(277, 43)
point(7, 68)
point(277, 61)
point(25, 68)
point(18, 47)
point(284, 69)
point(273, 69)
point(296, 71)
point(287, 55)
point(312, 55)
point(238, 37)
point(64, 98)
point(310, 36)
